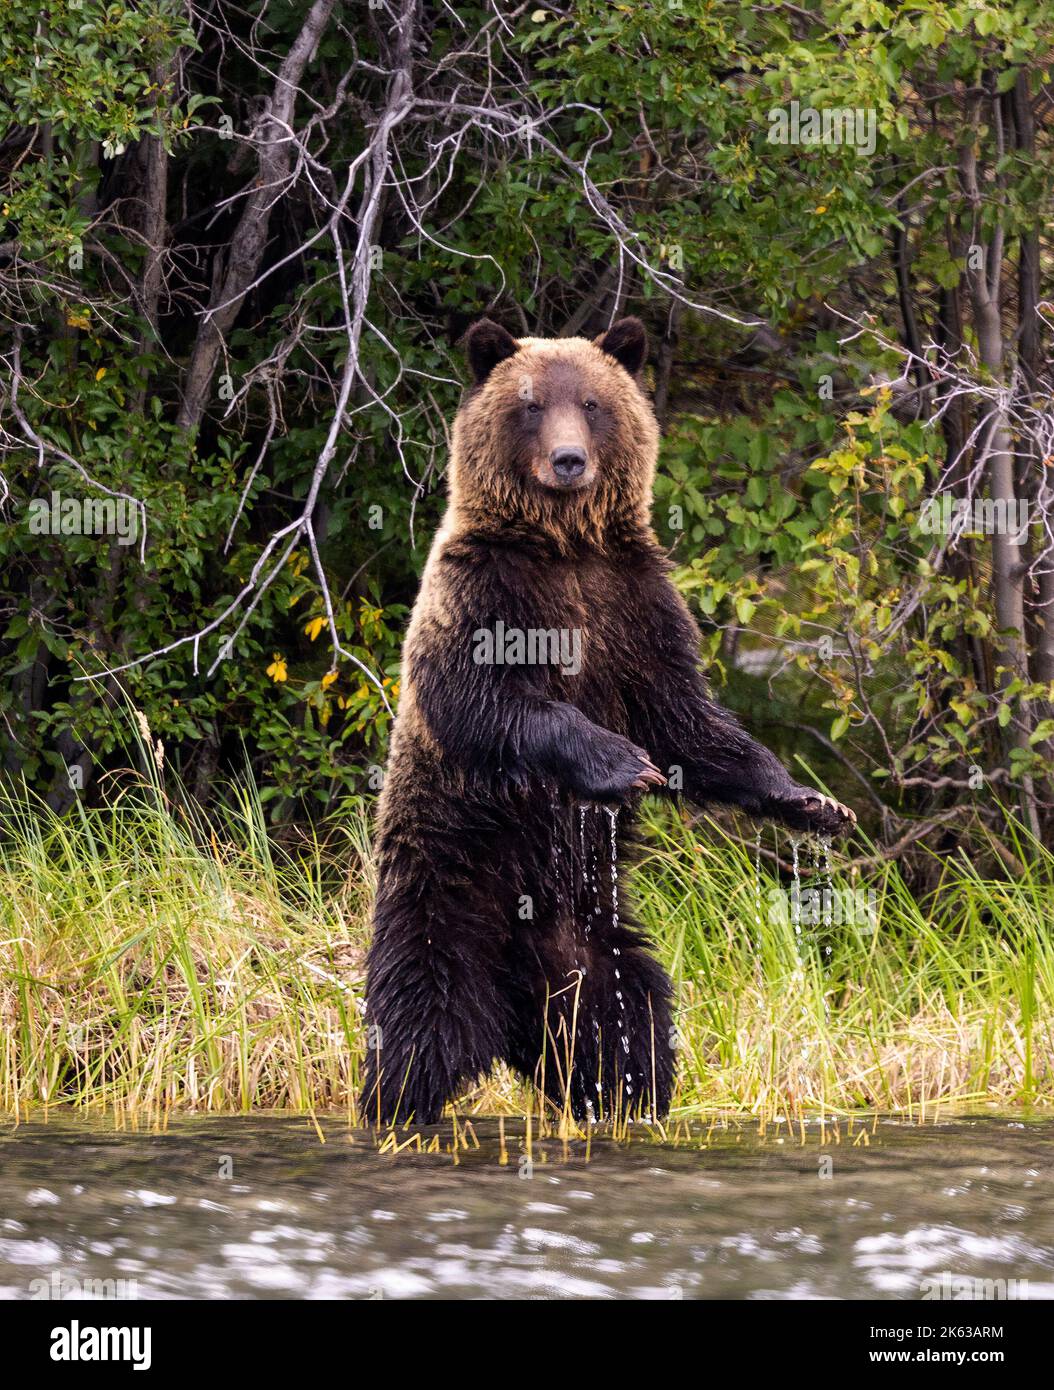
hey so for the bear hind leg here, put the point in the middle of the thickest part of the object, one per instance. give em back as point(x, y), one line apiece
point(625, 1036)
point(597, 1034)
point(433, 1011)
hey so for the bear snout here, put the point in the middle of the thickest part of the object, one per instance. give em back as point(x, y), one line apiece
point(568, 463)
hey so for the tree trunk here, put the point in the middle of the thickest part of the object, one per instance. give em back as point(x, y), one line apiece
point(1041, 595)
point(275, 143)
point(985, 282)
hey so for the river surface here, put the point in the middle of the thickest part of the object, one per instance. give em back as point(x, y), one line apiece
point(259, 1207)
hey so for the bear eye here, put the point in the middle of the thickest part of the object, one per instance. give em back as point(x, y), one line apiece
point(533, 408)
point(589, 406)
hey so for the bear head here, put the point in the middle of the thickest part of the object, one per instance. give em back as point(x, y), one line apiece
point(555, 432)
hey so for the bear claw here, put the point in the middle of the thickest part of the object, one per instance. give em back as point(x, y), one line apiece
point(650, 776)
point(821, 814)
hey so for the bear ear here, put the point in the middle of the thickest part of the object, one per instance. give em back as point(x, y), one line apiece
point(487, 344)
point(627, 342)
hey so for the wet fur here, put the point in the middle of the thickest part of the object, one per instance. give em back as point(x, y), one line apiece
point(491, 764)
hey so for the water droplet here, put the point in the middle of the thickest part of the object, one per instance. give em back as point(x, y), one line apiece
point(757, 889)
point(613, 828)
point(796, 890)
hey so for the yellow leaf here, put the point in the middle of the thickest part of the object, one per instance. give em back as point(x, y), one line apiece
point(821, 208)
point(100, 374)
point(328, 679)
point(314, 627)
point(277, 669)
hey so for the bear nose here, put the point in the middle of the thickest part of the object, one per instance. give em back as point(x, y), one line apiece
point(568, 463)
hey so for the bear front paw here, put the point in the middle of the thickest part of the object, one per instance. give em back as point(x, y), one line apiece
point(816, 814)
point(616, 771)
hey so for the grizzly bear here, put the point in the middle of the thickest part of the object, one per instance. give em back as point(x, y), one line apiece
point(550, 679)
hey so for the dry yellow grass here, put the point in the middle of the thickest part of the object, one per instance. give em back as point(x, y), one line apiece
point(149, 965)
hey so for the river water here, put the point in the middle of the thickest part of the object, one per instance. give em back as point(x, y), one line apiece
point(250, 1207)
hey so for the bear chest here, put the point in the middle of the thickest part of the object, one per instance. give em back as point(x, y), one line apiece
point(583, 637)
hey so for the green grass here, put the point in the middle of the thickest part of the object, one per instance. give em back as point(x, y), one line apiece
point(942, 1001)
point(150, 963)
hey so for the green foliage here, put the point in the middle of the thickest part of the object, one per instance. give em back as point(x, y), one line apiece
point(794, 470)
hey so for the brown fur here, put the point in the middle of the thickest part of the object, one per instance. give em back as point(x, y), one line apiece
point(499, 773)
point(492, 451)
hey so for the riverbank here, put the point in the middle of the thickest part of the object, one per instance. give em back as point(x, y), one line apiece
point(150, 964)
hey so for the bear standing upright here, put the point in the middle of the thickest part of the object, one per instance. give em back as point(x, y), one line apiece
point(550, 676)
